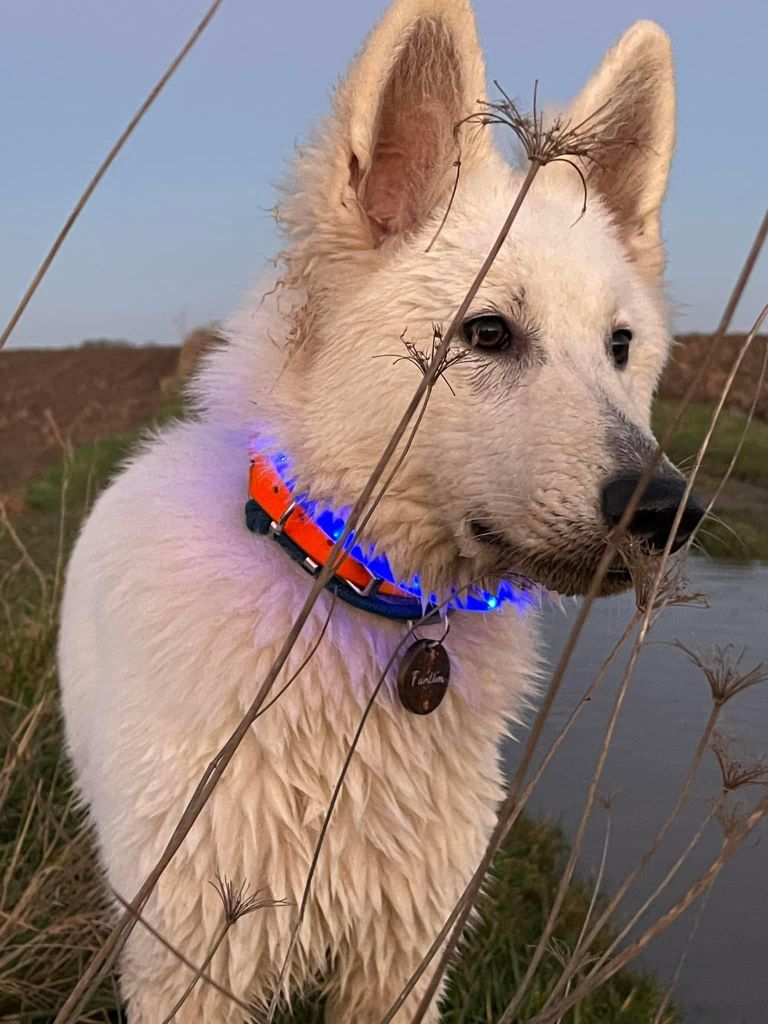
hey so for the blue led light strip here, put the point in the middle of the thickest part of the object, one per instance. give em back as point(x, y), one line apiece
point(332, 523)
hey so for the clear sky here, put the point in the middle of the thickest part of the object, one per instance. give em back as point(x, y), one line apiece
point(179, 227)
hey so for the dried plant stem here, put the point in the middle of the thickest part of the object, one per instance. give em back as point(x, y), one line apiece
point(722, 328)
point(620, 892)
point(599, 876)
point(105, 165)
point(105, 958)
point(18, 743)
point(305, 661)
point(744, 275)
point(27, 559)
point(588, 694)
point(58, 573)
point(400, 460)
point(725, 391)
point(199, 972)
point(565, 878)
point(324, 828)
point(657, 891)
point(596, 888)
point(664, 1004)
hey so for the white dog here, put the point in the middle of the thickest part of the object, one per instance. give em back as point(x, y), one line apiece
point(174, 610)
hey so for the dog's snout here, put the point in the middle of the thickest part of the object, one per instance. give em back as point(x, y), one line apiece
point(654, 516)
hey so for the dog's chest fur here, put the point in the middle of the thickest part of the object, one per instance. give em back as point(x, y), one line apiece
point(183, 610)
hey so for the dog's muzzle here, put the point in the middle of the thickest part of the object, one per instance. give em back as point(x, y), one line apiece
point(656, 510)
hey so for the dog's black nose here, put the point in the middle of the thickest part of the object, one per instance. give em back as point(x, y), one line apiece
point(655, 513)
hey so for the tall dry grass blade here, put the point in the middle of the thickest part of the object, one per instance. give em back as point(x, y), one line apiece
point(742, 436)
point(324, 829)
point(667, 997)
point(597, 886)
point(26, 557)
point(104, 167)
point(744, 275)
point(660, 887)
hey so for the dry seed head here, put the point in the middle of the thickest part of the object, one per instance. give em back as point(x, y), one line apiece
point(236, 899)
point(606, 800)
point(559, 141)
point(643, 567)
point(735, 771)
point(422, 360)
point(723, 672)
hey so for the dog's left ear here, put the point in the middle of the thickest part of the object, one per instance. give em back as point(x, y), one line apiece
point(632, 99)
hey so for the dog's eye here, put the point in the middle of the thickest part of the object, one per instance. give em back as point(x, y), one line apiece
point(488, 332)
point(620, 340)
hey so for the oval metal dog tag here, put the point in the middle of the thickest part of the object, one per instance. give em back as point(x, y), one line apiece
point(422, 679)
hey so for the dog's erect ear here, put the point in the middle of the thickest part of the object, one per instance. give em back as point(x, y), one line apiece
point(632, 96)
point(419, 74)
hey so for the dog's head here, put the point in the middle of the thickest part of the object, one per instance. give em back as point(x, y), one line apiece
point(529, 448)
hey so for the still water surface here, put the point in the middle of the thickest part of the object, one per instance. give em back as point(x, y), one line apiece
point(725, 980)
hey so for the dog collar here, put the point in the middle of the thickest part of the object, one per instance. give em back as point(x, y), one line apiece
point(363, 579)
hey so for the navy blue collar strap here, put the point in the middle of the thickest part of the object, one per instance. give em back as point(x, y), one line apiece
point(404, 609)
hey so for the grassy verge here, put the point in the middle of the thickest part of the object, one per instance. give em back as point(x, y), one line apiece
point(51, 909)
point(739, 529)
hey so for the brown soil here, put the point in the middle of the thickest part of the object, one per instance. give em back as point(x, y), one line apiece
point(52, 398)
point(687, 357)
point(49, 397)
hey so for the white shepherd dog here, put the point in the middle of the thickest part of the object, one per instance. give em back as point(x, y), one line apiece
point(174, 610)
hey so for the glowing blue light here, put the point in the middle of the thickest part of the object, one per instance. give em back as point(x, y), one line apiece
point(332, 522)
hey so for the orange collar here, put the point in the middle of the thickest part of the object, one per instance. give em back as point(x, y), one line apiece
point(273, 510)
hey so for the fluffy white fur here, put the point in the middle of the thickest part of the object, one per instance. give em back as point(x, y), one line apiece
point(173, 611)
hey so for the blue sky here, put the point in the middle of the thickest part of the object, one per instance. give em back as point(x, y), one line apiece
point(179, 227)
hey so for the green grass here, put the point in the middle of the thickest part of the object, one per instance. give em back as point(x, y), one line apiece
point(739, 529)
point(752, 464)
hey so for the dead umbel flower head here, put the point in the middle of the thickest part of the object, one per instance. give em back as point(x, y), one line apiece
point(559, 141)
point(652, 593)
point(738, 771)
point(722, 670)
point(238, 901)
point(421, 359)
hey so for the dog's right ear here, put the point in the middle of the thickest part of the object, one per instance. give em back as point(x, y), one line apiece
point(419, 74)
